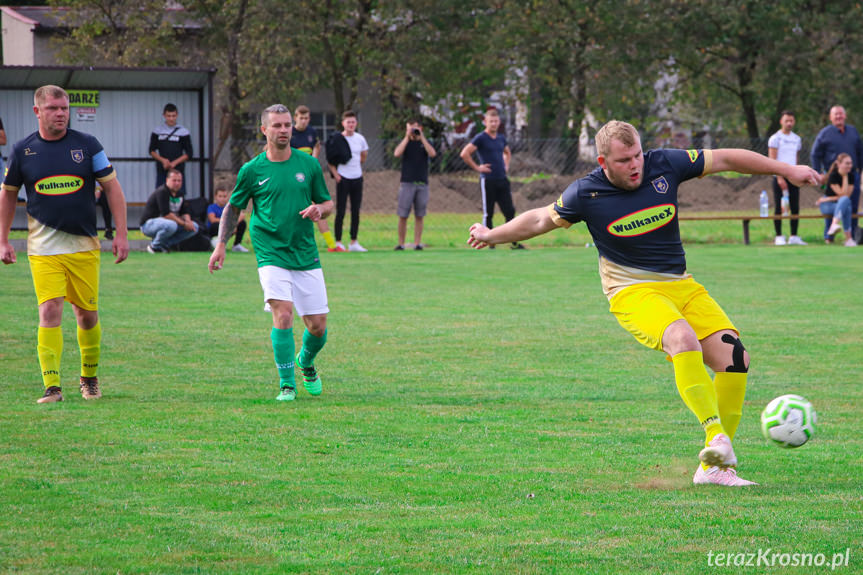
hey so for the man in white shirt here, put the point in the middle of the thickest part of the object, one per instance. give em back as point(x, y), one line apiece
point(349, 182)
point(784, 146)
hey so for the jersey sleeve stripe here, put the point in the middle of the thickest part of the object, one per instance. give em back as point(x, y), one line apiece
point(708, 163)
point(556, 219)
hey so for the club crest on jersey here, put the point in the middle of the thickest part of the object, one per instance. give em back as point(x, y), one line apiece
point(300, 177)
point(660, 184)
point(77, 156)
point(59, 185)
point(643, 221)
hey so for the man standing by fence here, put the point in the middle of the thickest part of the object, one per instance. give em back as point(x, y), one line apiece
point(835, 139)
point(415, 151)
point(784, 146)
point(494, 155)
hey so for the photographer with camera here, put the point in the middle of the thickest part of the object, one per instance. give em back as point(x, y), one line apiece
point(415, 152)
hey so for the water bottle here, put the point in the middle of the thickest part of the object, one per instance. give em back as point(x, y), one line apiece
point(786, 206)
point(764, 204)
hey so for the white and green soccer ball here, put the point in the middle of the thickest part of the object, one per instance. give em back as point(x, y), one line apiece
point(788, 421)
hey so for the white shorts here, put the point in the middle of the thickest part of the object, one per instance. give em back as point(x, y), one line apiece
point(305, 289)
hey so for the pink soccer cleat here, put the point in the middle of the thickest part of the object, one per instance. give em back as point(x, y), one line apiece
point(716, 476)
point(718, 453)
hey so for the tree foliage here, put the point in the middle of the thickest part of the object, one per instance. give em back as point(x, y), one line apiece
point(732, 66)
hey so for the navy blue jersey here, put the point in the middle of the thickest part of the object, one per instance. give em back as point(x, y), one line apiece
point(639, 228)
point(304, 141)
point(490, 151)
point(60, 178)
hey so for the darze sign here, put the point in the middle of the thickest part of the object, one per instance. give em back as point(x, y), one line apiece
point(83, 98)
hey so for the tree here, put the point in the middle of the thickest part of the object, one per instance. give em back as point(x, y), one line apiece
point(767, 55)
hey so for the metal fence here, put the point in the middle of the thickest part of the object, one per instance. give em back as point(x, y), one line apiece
point(539, 171)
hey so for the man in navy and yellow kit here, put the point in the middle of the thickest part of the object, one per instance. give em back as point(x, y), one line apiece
point(59, 168)
point(630, 207)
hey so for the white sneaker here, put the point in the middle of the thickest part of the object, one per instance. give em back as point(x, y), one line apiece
point(850, 243)
point(340, 247)
point(779, 241)
point(239, 248)
point(834, 227)
point(796, 241)
point(718, 453)
point(356, 247)
point(727, 477)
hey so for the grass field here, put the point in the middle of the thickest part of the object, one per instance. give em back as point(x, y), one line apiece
point(482, 413)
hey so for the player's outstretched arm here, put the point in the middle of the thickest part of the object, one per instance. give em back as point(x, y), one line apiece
point(749, 162)
point(8, 201)
point(525, 226)
point(227, 227)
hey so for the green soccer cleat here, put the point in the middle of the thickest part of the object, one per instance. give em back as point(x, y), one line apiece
point(287, 394)
point(311, 380)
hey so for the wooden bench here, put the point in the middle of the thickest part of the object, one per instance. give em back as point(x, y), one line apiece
point(747, 219)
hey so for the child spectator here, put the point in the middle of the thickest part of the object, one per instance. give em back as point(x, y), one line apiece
point(214, 215)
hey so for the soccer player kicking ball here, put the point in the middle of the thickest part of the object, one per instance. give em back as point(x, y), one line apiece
point(289, 195)
point(629, 205)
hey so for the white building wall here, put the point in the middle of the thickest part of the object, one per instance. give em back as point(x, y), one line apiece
point(18, 40)
point(122, 124)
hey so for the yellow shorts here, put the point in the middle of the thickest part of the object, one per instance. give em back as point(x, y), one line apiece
point(645, 310)
point(72, 276)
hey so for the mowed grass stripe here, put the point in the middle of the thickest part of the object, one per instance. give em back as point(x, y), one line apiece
point(482, 412)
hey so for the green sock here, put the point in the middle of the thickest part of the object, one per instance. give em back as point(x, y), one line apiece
point(283, 352)
point(312, 344)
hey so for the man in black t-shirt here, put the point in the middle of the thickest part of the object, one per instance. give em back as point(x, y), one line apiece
point(166, 216)
point(415, 152)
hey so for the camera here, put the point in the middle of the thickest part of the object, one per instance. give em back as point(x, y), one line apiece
point(416, 132)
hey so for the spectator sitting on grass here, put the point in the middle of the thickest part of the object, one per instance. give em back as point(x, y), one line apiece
point(214, 216)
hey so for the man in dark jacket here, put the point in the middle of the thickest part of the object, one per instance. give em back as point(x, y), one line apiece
point(166, 217)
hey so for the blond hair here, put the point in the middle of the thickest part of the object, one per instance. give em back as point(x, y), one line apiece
point(623, 132)
point(49, 91)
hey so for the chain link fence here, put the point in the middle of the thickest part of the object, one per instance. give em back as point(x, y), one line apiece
point(539, 171)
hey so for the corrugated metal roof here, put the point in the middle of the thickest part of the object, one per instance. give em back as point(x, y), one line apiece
point(92, 78)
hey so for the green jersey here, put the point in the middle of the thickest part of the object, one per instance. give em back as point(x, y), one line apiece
point(279, 192)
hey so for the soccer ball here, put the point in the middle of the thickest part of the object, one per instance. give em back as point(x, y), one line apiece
point(788, 421)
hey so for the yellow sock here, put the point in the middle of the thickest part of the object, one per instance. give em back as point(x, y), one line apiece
point(696, 389)
point(90, 344)
point(49, 347)
point(330, 239)
point(730, 391)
